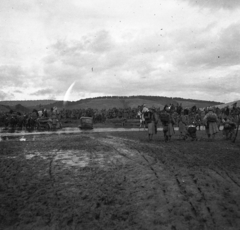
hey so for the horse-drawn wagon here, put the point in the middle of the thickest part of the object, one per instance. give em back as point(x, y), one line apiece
point(46, 123)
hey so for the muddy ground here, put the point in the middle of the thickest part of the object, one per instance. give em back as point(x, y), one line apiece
point(119, 180)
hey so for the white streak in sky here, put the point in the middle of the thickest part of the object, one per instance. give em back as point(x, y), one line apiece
point(66, 96)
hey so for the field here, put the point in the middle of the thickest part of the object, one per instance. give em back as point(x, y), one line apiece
point(119, 180)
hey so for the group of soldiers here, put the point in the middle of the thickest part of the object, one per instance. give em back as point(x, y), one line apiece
point(16, 118)
point(189, 120)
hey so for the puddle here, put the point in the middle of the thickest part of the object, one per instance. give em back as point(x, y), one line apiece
point(23, 135)
point(73, 157)
point(31, 136)
point(9, 133)
point(36, 154)
point(70, 130)
point(83, 158)
point(79, 158)
point(17, 138)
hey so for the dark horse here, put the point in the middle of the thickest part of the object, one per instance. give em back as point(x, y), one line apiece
point(12, 121)
point(21, 120)
point(31, 120)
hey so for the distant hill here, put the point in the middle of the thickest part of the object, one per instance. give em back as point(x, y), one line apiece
point(18, 108)
point(228, 104)
point(131, 101)
point(28, 103)
point(21, 108)
point(4, 109)
point(106, 103)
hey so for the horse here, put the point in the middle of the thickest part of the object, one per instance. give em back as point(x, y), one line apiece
point(12, 121)
point(31, 120)
point(140, 116)
point(21, 121)
point(5, 120)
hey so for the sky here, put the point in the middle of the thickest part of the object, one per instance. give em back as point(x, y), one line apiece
point(174, 48)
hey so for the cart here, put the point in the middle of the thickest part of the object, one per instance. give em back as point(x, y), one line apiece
point(48, 123)
point(86, 123)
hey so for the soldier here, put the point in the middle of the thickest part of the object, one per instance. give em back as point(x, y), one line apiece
point(156, 118)
point(144, 108)
point(228, 128)
point(183, 121)
point(150, 120)
point(198, 120)
point(167, 123)
point(211, 120)
point(191, 131)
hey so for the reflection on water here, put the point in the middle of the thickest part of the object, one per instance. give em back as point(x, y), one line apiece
point(22, 139)
point(70, 130)
point(23, 135)
point(31, 136)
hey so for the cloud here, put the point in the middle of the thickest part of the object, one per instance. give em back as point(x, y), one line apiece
point(209, 48)
point(19, 76)
point(222, 85)
point(155, 48)
point(6, 96)
point(47, 93)
point(148, 64)
point(3, 95)
point(16, 5)
point(98, 42)
point(18, 91)
point(104, 52)
point(42, 92)
point(217, 4)
point(101, 42)
point(11, 75)
point(98, 62)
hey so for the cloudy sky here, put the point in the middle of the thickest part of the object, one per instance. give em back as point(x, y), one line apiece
point(175, 48)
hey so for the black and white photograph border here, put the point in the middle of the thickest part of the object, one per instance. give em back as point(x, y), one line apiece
point(119, 114)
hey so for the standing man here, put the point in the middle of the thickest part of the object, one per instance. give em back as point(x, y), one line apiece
point(211, 120)
point(167, 124)
point(156, 118)
point(150, 119)
point(228, 128)
point(182, 124)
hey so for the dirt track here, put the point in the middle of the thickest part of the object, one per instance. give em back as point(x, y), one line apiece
point(119, 181)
